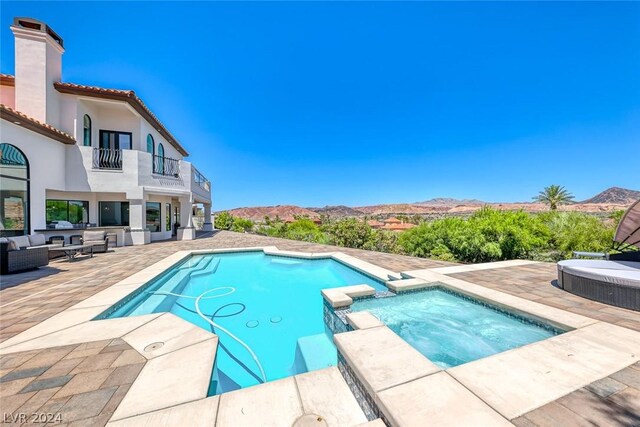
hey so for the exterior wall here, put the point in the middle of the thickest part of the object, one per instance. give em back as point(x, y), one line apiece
point(38, 62)
point(66, 172)
point(42, 154)
point(8, 96)
point(146, 129)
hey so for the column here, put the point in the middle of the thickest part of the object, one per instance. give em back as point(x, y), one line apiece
point(207, 225)
point(138, 222)
point(186, 230)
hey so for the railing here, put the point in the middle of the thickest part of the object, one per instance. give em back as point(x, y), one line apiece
point(107, 158)
point(200, 180)
point(166, 166)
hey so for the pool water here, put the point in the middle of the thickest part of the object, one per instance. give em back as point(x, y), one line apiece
point(271, 304)
point(450, 329)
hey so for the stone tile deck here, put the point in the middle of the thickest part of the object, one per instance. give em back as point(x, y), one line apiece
point(71, 385)
point(30, 298)
point(537, 282)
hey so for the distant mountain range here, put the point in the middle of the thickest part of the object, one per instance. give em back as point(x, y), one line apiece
point(611, 199)
point(616, 195)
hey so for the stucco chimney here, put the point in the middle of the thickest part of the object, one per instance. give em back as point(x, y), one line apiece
point(38, 65)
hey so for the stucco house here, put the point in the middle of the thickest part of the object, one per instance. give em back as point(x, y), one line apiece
point(88, 156)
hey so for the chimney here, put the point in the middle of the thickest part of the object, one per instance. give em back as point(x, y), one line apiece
point(38, 65)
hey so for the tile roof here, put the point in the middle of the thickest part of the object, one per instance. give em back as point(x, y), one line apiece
point(398, 227)
point(7, 79)
point(21, 119)
point(122, 95)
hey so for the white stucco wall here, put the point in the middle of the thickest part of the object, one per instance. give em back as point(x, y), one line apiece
point(44, 156)
point(38, 64)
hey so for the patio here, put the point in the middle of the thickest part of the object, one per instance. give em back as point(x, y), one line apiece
point(108, 367)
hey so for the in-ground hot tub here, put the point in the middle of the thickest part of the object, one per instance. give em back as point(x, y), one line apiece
point(450, 328)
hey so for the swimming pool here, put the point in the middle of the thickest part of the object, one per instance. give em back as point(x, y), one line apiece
point(266, 310)
point(451, 329)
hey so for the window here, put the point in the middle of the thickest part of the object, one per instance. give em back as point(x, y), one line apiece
point(167, 215)
point(86, 141)
point(153, 216)
point(151, 148)
point(114, 213)
point(14, 191)
point(74, 211)
point(115, 140)
point(160, 160)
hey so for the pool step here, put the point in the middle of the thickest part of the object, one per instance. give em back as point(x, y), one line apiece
point(315, 352)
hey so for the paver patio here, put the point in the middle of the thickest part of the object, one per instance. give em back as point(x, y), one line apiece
point(30, 298)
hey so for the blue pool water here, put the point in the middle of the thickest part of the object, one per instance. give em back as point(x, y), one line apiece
point(272, 304)
point(451, 330)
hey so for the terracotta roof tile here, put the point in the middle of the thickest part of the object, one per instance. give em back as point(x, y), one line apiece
point(21, 119)
point(123, 95)
point(7, 79)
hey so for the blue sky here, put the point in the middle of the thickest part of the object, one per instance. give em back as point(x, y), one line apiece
point(365, 103)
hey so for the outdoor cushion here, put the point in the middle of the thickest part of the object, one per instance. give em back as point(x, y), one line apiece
point(20, 241)
point(607, 265)
point(93, 236)
point(37, 239)
point(628, 278)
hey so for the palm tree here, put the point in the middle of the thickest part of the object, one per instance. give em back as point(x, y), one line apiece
point(554, 195)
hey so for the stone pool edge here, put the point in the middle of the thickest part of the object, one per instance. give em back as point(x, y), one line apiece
point(165, 369)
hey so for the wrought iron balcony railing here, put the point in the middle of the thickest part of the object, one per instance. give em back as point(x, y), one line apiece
point(200, 179)
point(166, 166)
point(107, 158)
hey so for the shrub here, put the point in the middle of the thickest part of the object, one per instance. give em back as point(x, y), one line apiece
point(242, 225)
point(223, 221)
point(304, 229)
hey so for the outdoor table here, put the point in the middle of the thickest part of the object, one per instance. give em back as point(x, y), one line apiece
point(72, 251)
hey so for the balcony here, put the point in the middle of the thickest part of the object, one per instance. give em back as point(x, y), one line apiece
point(166, 166)
point(107, 158)
point(200, 180)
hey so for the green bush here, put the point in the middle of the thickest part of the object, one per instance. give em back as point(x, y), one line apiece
point(304, 229)
point(223, 221)
point(488, 235)
point(575, 231)
point(242, 225)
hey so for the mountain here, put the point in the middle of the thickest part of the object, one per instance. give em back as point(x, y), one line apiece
point(614, 198)
point(284, 212)
point(615, 195)
point(446, 201)
point(340, 211)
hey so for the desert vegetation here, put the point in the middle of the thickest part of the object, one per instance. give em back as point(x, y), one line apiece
point(487, 235)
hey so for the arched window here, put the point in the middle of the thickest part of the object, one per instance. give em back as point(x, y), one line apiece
point(86, 140)
point(151, 148)
point(14, 191)
point(160, 158)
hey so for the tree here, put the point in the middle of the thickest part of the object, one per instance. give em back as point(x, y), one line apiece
point(554, 195)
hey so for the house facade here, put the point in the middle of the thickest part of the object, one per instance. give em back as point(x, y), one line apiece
point(75, 156)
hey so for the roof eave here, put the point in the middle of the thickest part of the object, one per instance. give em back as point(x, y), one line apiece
point(125, 96)
point(32, 124)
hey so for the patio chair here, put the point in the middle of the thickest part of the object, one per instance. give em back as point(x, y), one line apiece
point(98, 239)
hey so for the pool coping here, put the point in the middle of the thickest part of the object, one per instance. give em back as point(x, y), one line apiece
point(166, 367)
point(181, 340)
point(501, 387)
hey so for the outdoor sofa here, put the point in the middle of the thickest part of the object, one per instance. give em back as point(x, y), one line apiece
point(17, 254)
point(608, 281)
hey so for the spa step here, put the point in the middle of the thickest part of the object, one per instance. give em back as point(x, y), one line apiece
point(315, 352)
